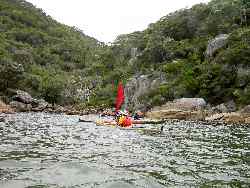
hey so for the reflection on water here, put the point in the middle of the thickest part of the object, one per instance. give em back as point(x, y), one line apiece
point(43, 150)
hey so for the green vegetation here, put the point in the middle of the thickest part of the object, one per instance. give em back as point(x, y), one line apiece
point(176, 45)
point(46, 58)
point(54, 61)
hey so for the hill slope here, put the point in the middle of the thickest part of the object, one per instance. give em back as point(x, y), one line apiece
point(176, 46)
point(62, 65)
point(41, 55)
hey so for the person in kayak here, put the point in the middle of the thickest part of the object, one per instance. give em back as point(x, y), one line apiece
point(138, 115)
point(123, 119)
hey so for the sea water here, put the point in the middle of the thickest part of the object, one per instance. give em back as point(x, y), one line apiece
point(39, 150)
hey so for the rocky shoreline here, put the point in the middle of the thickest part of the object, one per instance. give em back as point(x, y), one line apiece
point(196, 109)
point(186, 109)
point(24, 102)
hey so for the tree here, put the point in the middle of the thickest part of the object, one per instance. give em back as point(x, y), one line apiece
point(10, 74)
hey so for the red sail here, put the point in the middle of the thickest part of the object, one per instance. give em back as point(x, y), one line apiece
point(120, 97)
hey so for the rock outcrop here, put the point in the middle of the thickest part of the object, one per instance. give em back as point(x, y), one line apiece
point(23, 97)
point(183, 109)
point(176, 114)
point(233, 117)
point(184, 104)
point(215, 44)
point(197, 109)
point(139, 86)
point(24, 102)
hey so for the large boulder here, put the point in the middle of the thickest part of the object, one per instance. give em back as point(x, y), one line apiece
point(215, 44)
point(183, 109)
point(168, 114)
point(22, 96)
point(23, 101)
point(176, 114)
point(186, 104)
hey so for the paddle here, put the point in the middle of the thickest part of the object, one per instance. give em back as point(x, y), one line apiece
point(86, 121)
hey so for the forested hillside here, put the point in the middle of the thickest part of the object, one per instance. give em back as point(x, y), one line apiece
point(177, 47)
point(39, 55)
point(62, 65)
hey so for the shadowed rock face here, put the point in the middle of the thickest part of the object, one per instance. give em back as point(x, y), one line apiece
point(215, 44)
point(139, 86)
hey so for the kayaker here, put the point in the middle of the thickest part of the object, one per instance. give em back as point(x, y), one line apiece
point(138, 115)
point(123, 119)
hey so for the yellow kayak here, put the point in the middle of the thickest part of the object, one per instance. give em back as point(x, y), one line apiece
point(112, 122)
point(105, 123)
point(134, 127)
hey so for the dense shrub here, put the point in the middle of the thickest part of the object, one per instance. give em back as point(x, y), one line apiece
point(10, 74)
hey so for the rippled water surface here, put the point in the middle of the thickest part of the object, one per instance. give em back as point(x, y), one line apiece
point(43, 150)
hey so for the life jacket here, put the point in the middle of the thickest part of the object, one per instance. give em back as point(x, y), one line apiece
point(127, 122)
point(124, 121)
point(121, 119)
